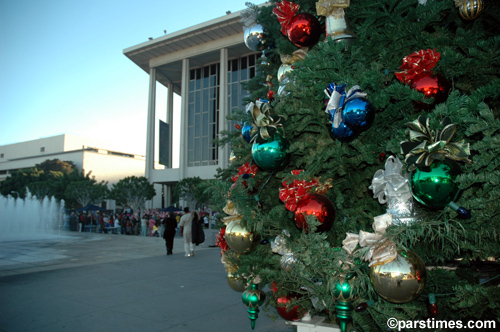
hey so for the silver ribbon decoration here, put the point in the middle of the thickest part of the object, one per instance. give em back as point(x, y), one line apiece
point(249, 18)
point(389, 183)
point(338, 98)
point(380, 251)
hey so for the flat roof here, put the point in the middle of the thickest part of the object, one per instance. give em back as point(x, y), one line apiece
point(200, 44)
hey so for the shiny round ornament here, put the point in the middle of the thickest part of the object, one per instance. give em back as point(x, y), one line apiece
point(358, 114)
point(319, 206)
point(288, 262)
point(304, 30)
point(401, 280)
point(246, 131)
point(253, 37)
point(342, 133)
point(285, 311)
point(236, 283)
point(471, 9)
point(343, 290)
point(432, 86)
point(239, 238)
point(435, 186)
point(272, 154)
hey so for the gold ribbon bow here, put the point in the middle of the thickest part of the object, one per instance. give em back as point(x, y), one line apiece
point(266, 123)
point(380, 250)
point(426, 145)
point(333, 8)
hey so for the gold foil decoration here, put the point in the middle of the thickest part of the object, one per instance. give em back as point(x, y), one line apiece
point(333, 8)
point(230, 209)
point(298, 55)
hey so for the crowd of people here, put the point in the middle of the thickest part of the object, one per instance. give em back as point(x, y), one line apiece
point(152, 222)
point(143, 223)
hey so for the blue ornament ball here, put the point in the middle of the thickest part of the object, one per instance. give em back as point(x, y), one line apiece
point(246, 132)
point(342, 133)
point(358, 114)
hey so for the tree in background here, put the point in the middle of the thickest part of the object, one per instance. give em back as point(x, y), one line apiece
point(56, 165)
point(87, 191)
point(132, 192)
point(193, 191)
point(48, 178)
point(418, 85)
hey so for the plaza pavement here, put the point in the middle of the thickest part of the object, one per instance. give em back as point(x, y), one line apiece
point(98, 282)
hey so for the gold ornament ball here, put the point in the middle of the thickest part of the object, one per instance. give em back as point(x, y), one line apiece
point(236, 283)
point(471, 9)
point(401, 280)
point(239, 238)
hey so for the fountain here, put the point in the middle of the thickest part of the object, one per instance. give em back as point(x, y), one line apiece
point(30, 218)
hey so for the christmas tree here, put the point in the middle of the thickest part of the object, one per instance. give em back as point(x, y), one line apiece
point(365, 176)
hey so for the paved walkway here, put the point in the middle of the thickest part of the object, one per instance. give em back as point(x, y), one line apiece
point(98, 282)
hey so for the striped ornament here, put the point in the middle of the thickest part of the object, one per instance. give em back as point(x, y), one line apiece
point(470, 9)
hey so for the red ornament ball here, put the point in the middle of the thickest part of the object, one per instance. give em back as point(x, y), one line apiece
point(270, 95)
point(319, 206)
point(291, 314)
point(432, 86)
point(304, 30)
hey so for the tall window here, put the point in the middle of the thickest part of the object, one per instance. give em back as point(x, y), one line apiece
point(239, 70)
point(203, 115)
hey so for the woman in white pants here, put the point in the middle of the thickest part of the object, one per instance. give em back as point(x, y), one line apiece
point(185, 231)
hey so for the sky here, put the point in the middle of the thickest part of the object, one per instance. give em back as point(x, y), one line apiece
point(63, 71)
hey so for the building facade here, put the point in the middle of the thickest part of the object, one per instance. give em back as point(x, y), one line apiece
point(87, 154)
point(205, 65)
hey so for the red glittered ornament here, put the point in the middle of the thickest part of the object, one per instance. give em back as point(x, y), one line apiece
point(431, 86)
point(287, 313)
point(319, 206)
point(304, 30)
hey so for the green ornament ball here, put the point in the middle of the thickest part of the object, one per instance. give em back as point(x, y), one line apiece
point(253, 298)
point(435, 186)
point(272, 154)
point(343, 290)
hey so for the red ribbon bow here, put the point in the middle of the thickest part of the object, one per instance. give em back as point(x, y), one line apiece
point(292, 193)
point(416, 64)
point(285, 11)
point(245, 169)
point(220, 241)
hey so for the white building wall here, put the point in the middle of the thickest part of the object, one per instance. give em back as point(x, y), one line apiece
point(32, 148)
point(111, 168)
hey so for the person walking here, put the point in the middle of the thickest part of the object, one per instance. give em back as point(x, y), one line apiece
point(144, 225)
point(185, 232)
point(170, 225)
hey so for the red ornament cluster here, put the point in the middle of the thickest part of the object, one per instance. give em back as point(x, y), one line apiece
point(416, 64)
point(302, 29)
point(245, 169)
point(292, 193)
point(417, 72)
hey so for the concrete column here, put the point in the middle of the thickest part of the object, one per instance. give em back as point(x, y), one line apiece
point(223, 106)
point(183, 146)
point(170, 121)
point(150, 145)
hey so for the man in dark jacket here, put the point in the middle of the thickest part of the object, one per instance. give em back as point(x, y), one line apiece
point(169, 234)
